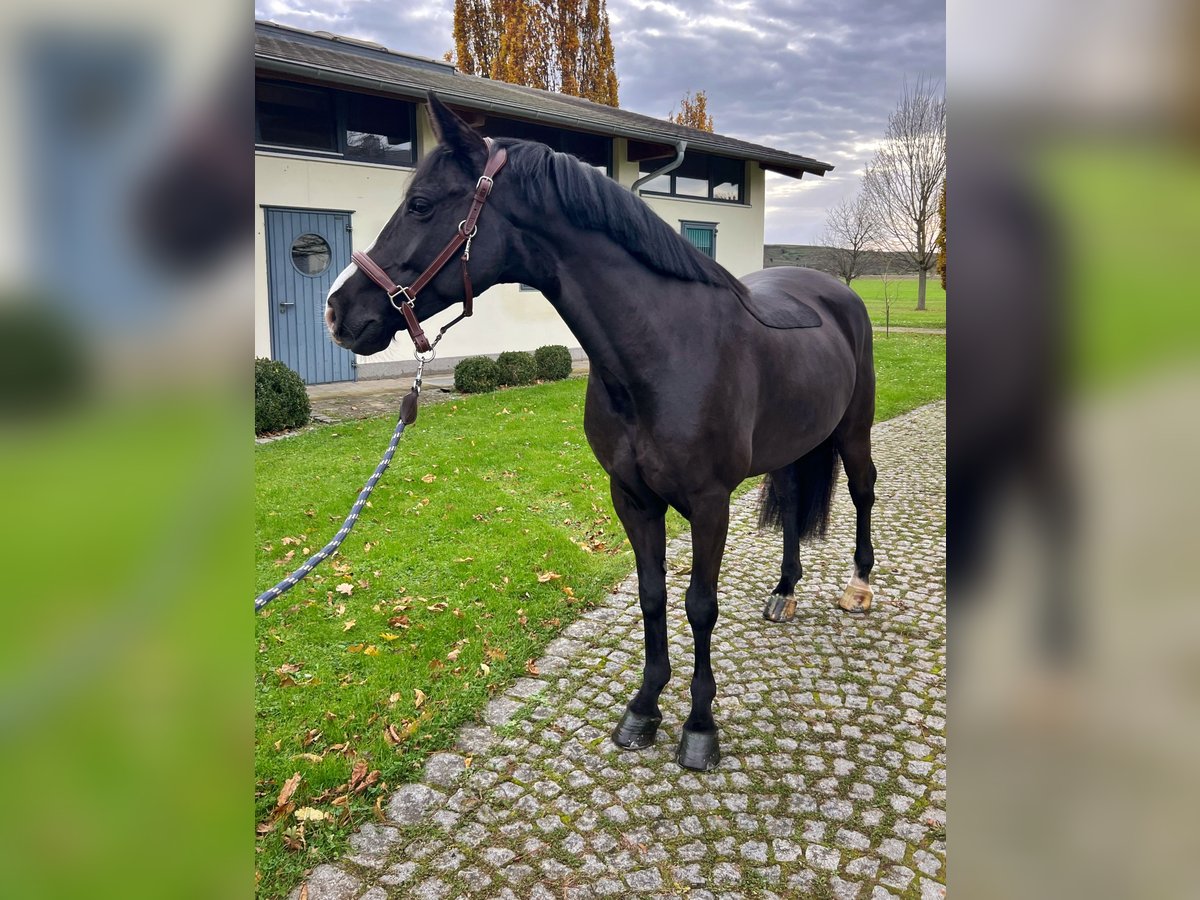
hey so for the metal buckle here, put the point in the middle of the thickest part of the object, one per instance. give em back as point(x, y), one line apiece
point(482, 179)
point(408, 299)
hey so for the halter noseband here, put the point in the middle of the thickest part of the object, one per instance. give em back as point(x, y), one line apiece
point(467, 228)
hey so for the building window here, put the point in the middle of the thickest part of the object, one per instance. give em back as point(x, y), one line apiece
point(702, 236)
point(337, 123)
point(700, 175)
point(593, 149)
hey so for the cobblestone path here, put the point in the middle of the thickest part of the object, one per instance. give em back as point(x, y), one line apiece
point(832, 781)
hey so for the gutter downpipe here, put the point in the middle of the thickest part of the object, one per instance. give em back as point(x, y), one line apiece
point(680, 149)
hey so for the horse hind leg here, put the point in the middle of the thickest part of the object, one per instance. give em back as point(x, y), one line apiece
point(855, 450)
point(798, 498)
point(780, 497)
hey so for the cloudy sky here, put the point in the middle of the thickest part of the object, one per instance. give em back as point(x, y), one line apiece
point(815, 77)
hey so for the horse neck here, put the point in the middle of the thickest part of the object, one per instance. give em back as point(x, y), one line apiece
point(622, 312)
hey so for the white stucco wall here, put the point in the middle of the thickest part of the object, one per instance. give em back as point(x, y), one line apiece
point(506, 318)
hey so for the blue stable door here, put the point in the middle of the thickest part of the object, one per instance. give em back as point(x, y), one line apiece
point(306, 249)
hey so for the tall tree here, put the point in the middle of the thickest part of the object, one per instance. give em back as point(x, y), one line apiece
point(556, 45)
point(908, 169)
point(851, 230)
point(693, 112)
point(940, 243)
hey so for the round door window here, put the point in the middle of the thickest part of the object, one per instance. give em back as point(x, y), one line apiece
point(311, 254)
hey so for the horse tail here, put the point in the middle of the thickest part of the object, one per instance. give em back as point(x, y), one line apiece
point(816, 475)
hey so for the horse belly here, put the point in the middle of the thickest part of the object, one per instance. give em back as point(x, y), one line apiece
point(799, 406)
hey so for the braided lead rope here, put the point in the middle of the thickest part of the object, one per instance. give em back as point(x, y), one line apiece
point(408, 411)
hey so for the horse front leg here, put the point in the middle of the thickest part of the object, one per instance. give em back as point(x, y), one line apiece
point(699, 746)
point(642, 514)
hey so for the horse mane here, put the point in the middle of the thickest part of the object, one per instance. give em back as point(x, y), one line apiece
point(593, 201)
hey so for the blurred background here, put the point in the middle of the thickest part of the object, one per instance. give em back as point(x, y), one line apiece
point(1074, 368)
point(125, 414)
point(125, 408)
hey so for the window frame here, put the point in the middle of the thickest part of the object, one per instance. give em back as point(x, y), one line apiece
point(684, 224)
point(341, 109)
point(708, 160)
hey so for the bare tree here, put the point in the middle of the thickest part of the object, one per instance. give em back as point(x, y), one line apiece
point(903, 180)
point(851, 229)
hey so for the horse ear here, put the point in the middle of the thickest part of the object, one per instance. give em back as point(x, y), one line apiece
point(461, 139)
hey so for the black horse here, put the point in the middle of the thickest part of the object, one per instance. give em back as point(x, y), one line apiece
point(690, 392)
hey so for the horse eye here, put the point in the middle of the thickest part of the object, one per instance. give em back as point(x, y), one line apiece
point(420, 206)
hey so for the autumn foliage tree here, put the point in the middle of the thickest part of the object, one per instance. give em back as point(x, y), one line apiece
point(693, 112)
point(555, 45)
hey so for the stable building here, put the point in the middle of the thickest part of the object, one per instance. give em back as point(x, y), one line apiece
point(340, 124)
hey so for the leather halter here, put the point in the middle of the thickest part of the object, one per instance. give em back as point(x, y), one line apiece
point(467, 229)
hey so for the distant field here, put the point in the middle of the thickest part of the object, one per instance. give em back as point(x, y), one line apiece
point(904, 313)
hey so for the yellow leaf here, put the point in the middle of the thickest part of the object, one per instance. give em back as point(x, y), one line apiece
point(371, 651)
point(349, 623)
point(548, 576)
point(354, 648)
point(485, 669)
point(309, 814)
point(420, 696)
point(388, 636)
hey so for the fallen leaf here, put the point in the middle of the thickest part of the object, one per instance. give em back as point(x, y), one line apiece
point(467, 762)
point(345, 588)
point(288, 669)
point(349, 623)
point(420, 697)
point(293, 838)
point(388, 636)
point(429, 479)
point(310, 737)
point(485, 669)
point(310, 757)
point(289, 788)
point(303, 892)
point(437, 607)
point(354, 648)
point(310, 814)
point(548, 576)
point(371, 651)
point(392, 734)
point(399, 622)
point(531, 668)
point(394, 699)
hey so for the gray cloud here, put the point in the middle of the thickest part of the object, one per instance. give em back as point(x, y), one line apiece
point(816, 77)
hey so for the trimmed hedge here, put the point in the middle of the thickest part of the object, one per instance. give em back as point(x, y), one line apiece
point(516, 368)
point(553, 362)
point(476, 375)
point(280, 400)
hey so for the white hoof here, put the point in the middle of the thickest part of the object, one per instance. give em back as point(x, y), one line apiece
point(857, 596)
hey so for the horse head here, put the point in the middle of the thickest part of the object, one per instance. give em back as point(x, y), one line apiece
point(359, 313)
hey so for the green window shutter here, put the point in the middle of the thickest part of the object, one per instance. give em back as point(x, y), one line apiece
point(702, 237)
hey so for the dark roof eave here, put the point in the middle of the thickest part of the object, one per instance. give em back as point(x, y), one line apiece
point(785, 163)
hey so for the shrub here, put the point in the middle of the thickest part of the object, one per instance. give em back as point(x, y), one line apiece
point(516, 367)
point(553, 362)
point(280, 400)
point(476, 375)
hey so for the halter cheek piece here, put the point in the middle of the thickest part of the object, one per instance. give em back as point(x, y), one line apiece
point(467, 229)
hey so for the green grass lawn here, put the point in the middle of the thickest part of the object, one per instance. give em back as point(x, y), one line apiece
point(491, 532)
point(904, 312)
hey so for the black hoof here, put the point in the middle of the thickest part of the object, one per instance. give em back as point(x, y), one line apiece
point(635, 731)
point(698, 750)
point(780, 608)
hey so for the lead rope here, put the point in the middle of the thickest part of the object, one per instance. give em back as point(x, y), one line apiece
point(408, 415)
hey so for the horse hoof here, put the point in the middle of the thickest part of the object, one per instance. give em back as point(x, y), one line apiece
point(635, 731)
point(780, 608)
point(856, 598)
point(698, 750)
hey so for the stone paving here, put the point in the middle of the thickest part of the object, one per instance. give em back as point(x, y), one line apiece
point(832, 781)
